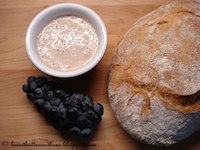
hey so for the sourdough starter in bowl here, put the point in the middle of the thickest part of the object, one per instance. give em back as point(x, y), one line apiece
point(67, 43)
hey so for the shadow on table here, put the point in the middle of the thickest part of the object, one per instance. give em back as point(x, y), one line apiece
point(77, 84)
point(192, 142)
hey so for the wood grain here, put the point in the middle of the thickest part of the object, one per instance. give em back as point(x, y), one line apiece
point(19, 120)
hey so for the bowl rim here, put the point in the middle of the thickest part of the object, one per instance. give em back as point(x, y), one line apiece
point(70, 73)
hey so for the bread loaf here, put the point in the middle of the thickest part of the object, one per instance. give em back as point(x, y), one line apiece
point(154, 80)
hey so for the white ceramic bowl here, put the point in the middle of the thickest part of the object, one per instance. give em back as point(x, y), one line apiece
point(49, 14)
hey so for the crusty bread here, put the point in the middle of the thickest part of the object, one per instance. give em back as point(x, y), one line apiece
point(154, 80)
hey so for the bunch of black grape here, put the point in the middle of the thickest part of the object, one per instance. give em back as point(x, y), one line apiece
point(66, 111)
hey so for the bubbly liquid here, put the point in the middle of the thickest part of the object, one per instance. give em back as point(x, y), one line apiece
point(67, 43)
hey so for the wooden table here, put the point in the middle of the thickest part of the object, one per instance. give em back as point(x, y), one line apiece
point(19, 120)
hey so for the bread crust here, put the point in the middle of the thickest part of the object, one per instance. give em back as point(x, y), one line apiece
point(154, 80)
